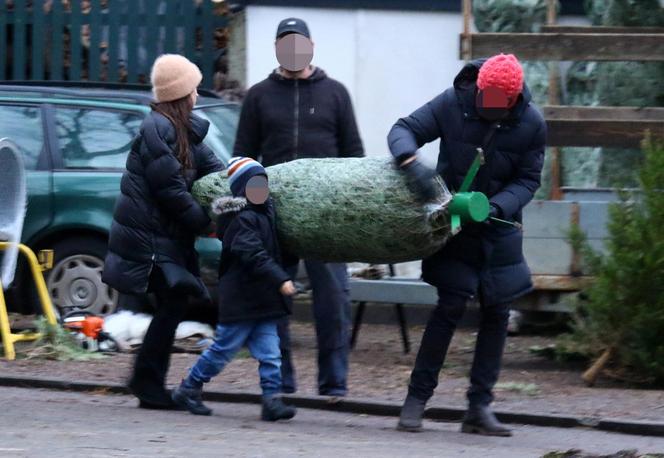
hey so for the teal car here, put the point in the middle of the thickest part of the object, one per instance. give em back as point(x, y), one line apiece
point(74, 141)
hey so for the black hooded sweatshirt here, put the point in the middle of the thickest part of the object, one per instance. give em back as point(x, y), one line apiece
point(285, 119)
point(250, 270)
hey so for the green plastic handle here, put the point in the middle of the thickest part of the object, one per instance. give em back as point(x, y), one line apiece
point(469, 206)
point(472, 171)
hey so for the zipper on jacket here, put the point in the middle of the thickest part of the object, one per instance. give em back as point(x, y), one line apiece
point(296, 127)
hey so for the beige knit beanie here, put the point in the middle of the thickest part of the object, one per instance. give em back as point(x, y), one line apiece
point(174, 77)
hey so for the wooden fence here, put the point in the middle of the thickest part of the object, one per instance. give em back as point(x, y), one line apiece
point(105, 40)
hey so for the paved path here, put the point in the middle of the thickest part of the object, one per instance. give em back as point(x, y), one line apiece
point(53, 424)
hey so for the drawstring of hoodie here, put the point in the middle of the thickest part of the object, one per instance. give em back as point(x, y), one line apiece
point(312, 106)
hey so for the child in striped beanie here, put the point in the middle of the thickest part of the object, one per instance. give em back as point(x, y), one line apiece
point(240, 171)
point(254, 292)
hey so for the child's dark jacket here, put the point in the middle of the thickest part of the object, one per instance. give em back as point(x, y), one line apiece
point(250, 271)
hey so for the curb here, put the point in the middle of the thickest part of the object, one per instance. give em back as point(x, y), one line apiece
point(363, 407)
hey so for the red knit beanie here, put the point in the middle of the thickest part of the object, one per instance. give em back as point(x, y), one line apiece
point(502, 71)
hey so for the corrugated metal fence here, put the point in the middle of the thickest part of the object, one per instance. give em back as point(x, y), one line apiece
point(111, 40)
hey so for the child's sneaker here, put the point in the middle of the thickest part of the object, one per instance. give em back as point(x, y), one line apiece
point(274, 409)
point(190, 399)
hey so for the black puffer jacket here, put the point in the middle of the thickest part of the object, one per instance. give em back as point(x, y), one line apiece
point(486, 256)
point(250, 270)
point(156, 218)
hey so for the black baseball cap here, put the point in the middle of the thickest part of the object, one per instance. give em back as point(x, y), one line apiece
point(293, 25)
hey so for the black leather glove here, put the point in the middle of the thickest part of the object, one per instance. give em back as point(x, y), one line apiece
point(419, 179)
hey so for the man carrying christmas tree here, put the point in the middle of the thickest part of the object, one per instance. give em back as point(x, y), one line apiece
point(299, 112)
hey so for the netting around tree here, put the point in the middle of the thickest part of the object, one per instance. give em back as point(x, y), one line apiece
point(346, 210)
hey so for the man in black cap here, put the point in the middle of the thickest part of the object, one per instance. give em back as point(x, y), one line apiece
point(299, 112)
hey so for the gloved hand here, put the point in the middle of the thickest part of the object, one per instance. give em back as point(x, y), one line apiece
point(419, 179)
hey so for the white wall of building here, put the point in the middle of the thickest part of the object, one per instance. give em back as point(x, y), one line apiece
point(392, 62)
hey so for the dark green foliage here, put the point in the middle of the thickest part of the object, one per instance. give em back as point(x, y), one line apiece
point(624, 306)
point(637, 13)
point(613, 84)
point(350, 209)
point(509, 15)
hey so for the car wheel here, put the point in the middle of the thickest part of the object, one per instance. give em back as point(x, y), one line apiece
point(74, 282)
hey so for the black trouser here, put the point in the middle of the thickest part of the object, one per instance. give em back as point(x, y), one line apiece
point(331, 307)
point(151, 366)
point(436, 340)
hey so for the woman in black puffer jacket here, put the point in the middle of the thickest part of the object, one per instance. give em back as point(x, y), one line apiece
point(156, 219)
point(488, 107)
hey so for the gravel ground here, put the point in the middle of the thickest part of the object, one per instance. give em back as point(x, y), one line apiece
point(56, 424)
point(379, 370)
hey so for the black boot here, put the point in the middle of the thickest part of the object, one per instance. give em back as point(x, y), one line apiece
point(274, 409)
point(411, 414)
point(152, 397)
point(479, 419)
point(191, 399)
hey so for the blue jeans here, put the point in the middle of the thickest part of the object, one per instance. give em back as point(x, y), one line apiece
point(261, 339)
point(332, 314)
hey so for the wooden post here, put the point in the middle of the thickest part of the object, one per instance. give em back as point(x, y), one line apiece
point(131, 64)
point(551, 12)
point(37, 71)
point(207, 36)
point(94, 59)
point(465, 36)
point(75, 54)
point(19, 40)
point(554, 99)
point(114, 10)
point(3, 38)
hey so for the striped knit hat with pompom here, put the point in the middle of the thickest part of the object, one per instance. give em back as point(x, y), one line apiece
point(240, 171)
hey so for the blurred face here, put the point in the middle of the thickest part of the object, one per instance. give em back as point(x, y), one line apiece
point(257, 190)
point(493, 104)
point(194, 97)
point(294, 52)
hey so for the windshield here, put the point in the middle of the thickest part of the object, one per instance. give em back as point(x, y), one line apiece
point(223, 124)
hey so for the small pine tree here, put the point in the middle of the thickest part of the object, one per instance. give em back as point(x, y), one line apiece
point(622, 314)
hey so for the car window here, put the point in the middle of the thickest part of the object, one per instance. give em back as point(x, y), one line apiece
point(23, 125)
point(94, 138)
point(223, 126)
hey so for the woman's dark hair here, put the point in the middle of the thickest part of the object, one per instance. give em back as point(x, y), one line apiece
point(178, 112)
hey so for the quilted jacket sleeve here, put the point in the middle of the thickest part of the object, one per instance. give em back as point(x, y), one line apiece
point(421, 126)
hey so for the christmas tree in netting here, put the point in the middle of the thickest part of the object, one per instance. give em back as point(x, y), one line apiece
point(348, 210)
